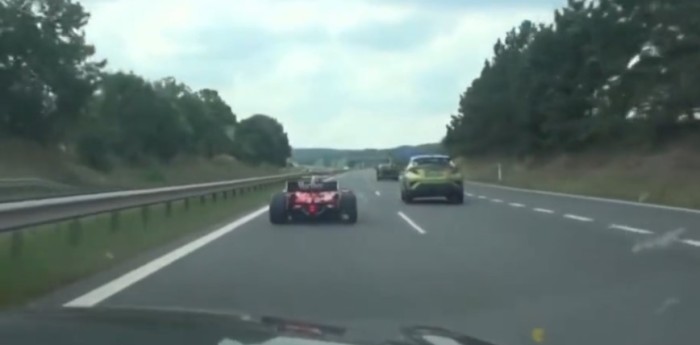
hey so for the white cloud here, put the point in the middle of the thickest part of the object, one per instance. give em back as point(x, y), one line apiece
point(291, 60)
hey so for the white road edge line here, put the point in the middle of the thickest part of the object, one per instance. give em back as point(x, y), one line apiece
point(378, 193)
point(515, 204)
point(411, 223)
point(543, 210)
point(498, 201)
point(111, 288)
point(630, 229)
point(579, 218)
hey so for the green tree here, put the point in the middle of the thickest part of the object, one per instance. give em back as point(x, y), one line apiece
point(46, 77)
point(604, 71)
point(261, 139)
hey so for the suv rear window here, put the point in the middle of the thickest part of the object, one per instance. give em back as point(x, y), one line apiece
point(432, 161)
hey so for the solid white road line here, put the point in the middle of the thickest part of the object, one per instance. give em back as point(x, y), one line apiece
point(693, 243)
point(515, 204)
point(378, 193)
point(543, 210)
point(105, 291)
point(411, 223)
point(498, 201)
point(579, 218)
point(630, 229)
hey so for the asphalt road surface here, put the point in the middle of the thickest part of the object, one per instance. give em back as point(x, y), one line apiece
point(506, 262)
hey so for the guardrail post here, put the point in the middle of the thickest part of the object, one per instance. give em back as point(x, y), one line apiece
point(145, 215)
point(114, 221)
point(168, 208)
point(225, 194)
point(16, 244)
point(75, 232)
point(233, 193)
point(202, 199)
point(187, 204)
point(214, 196)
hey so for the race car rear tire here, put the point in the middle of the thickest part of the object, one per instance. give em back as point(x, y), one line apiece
point(278, 209)
point(348, 206)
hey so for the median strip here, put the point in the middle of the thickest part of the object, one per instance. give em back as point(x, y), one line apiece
point(43, 258)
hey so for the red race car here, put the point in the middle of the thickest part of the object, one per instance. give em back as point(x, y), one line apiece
point(315, 198)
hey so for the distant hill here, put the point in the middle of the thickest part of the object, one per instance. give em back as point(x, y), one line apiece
point(337, 157)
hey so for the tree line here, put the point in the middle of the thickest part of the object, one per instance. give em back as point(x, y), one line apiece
point(52, 91)
point(605, 72)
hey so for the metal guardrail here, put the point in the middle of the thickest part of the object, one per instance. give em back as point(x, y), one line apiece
point(22, 214)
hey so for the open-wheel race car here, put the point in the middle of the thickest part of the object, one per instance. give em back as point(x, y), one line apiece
point(314, 198)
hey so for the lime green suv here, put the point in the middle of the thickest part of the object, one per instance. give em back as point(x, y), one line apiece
point(432, 176)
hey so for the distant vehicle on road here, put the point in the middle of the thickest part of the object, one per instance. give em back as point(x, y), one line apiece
point(388, 171)
point(432, 176)
point(314, 198)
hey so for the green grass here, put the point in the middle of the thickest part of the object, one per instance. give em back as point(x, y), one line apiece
point(57, 254)
point(660, 183)
point(22, 159)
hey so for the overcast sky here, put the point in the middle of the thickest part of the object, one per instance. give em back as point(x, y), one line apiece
point(335, 73)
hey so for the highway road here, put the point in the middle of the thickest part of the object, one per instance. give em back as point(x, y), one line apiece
point(506, 262)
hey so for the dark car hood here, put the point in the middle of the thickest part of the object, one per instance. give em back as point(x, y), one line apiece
point(101, 326)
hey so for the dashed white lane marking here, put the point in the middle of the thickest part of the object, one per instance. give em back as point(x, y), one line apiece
point(693, 243)
point(543, 210)
point(105, 291)
point(579, 218)
point(482, 197)
point(515, 204)
point(469, 194)
point(498, 201)
point(630, 229)
point(411, 223)
point(378, 193)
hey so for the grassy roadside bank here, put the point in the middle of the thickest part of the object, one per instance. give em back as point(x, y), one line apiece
point(54, 255)
point(669, 177)
point(60, 172)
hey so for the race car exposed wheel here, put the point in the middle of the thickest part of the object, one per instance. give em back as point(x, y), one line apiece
point(348, 207)
point(278, 209)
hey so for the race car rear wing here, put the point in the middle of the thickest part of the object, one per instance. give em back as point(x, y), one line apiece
point(325, 186)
